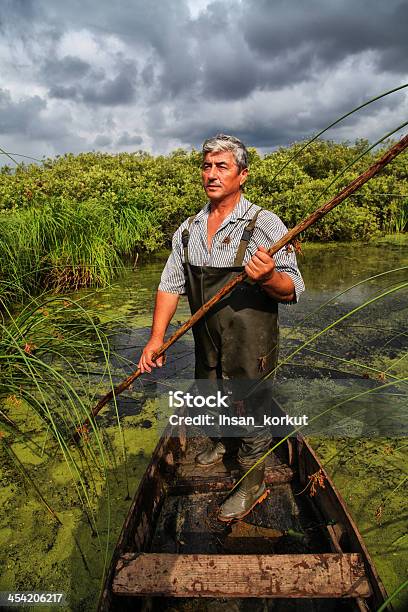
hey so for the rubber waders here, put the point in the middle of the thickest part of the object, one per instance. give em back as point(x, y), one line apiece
point(236, 340)
point(250, 492)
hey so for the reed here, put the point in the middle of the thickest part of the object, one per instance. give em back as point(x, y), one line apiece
point(64, 246)
point(42, 398)
point(394, 594)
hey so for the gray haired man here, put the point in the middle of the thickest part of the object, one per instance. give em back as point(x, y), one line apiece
point(228, 235)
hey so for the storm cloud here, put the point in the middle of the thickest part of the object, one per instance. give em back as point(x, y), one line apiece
point(118, 76)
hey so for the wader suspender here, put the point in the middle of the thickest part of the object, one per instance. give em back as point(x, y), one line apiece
point(245, 238)
point(242, 247)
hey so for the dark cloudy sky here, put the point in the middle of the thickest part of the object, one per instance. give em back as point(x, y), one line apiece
point(157, 74)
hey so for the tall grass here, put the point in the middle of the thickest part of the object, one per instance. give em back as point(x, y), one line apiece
point(42, 399)
point(66, 245)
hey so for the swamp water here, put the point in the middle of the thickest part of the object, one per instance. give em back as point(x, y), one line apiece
point(38, 553)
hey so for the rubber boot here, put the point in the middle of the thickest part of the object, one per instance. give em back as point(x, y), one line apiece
point(212, 455)
point(250, 492)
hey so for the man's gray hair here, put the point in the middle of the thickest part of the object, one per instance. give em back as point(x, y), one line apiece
point(222, 142)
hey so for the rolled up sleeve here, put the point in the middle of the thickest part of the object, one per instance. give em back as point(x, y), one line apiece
point(172, 278)
point(285, 259)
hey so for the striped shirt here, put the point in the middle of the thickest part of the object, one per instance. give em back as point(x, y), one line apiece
point(268, 230)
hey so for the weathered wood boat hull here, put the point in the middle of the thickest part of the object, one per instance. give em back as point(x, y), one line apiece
point(293, 552)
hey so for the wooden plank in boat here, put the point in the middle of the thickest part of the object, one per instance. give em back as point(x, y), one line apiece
point(327, 575)
point(193, 478)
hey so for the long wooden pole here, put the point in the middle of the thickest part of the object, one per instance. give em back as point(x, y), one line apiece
point(300, 227)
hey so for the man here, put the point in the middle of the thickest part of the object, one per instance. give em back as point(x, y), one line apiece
point(238, 338)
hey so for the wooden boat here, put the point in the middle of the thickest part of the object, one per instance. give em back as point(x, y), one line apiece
point(292, 552)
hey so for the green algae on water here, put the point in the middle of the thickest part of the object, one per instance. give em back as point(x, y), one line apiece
point(37, 553)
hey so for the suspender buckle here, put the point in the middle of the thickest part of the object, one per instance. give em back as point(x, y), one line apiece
point(246, 235)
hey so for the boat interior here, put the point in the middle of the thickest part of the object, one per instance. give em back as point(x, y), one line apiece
point(294, 551)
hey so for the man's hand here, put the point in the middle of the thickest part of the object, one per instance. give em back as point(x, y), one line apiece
point(278, 285)
point(261, 266)
point(145, 362)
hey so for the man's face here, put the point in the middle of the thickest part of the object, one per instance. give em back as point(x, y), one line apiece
point(220, 175)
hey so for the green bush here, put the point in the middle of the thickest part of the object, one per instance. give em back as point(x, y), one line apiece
point(73, 220)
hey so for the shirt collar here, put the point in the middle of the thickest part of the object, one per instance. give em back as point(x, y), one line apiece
point(243, 210)
point(203, 213)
